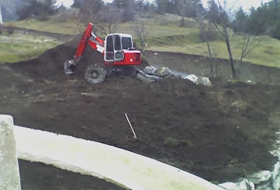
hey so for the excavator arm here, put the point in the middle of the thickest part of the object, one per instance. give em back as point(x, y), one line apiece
point(88, 38)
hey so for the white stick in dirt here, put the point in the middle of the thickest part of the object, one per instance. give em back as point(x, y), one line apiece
point(130, 126)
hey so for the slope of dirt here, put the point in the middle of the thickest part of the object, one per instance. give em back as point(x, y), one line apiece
point(49, 65)
point(215, 133)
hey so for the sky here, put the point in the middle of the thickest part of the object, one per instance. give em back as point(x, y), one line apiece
point(246, 4)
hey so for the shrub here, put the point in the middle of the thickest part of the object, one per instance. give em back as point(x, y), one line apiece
point(42, 17)
point(11, 29)
point(171, 142)
point(1, 29)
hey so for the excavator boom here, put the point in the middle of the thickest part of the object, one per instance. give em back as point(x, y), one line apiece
point(88, 38)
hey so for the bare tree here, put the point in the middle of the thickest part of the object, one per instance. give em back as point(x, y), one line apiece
point(109, 19)
point(89, 12)
point(105, 18)
point(183, 8)
point(249, 43)
point(220, 16)
point(249, 33)
point(141, 30)
point(188, 8)
point(206, 32)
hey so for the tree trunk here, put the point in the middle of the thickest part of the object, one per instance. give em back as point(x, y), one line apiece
point(142, 47)
point(183, 21)
point(231, 59)
point(211, 58)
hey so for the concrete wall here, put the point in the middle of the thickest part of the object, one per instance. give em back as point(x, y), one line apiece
point(116, 165)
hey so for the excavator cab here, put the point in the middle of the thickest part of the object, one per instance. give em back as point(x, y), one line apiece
point(119, 51)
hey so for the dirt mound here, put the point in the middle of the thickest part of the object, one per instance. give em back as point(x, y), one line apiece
point(49, 65)
point(216, 132)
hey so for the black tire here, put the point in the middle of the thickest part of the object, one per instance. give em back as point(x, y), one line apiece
point(95, 74)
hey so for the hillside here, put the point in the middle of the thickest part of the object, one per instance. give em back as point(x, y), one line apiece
point(209, 131)
point(220, 133)
point(165, 34)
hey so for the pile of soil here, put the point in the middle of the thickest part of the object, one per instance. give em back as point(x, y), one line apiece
point(49, 65)
point(214, 132)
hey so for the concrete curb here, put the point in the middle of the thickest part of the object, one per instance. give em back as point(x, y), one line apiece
point(115, 165)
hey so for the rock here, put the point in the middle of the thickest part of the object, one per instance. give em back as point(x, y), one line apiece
point(150, 70)
point(260, 177)
point(264, 180)
point(265, 186)
point(198, 80)
point(145, 77)
point(192, 78)
point(243, 185)
point(228, 186)
point(162, 71)
point(205, 81)
point(276, 176)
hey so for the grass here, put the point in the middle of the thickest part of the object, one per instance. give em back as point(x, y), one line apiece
point(266, 54)
point(51, 25)
point(18, 47)
point(166, 35)
point(171, 142)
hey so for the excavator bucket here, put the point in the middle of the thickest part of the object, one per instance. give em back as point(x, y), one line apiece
point(67, 67)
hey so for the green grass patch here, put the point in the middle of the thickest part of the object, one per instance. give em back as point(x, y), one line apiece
point(51, 25)
point(165, 34)
point(18, 47)
point(266, 54)
point(171, 142)
point(190, 143)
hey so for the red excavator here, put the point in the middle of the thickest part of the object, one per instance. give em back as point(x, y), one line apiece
point(119, 56)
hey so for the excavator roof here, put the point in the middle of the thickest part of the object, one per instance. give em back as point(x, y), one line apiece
point(121, 34)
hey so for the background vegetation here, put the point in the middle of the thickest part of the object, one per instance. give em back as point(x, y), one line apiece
point(170, 25)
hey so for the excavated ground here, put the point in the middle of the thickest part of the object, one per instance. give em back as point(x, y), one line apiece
point(217, 133)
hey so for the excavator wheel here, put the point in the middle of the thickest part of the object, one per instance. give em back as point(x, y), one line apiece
point(95, 74)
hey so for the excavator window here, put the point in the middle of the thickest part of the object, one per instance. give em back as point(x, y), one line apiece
point(114, 48)
point(126, 42)
point(117, 42)
point(109, 48)
point(118, 48)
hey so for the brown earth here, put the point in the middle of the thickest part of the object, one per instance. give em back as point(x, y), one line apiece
point(37, 176)
point(214, 132)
